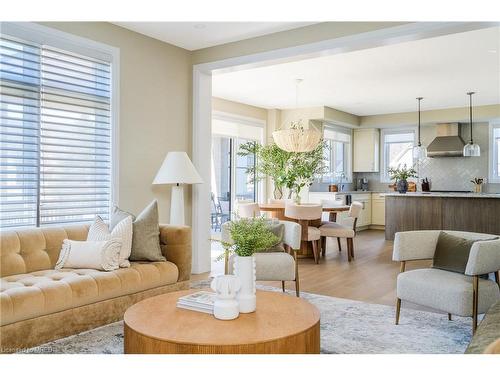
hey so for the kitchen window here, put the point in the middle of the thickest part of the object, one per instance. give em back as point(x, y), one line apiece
point(56, 130)
point(338, 154)
point(494, 167)
point(397, 150)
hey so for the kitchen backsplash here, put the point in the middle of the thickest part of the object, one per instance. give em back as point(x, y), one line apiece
point(453, 173)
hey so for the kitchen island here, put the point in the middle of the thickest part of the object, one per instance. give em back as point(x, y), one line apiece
point(471, 212)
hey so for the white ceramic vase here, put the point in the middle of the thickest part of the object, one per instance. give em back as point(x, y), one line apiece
point(244, 268)
point(226, 306)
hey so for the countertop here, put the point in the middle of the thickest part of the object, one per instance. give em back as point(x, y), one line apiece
point(445, 195)
point(351, 192)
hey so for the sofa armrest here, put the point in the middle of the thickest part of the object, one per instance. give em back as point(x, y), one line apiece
point(484, 257)
point(176, 247)
point(415, 245)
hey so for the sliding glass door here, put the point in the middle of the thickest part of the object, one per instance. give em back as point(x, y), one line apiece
point(230, 181)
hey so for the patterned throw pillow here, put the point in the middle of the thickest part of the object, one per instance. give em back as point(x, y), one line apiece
point(99, 231)
point(98, 255)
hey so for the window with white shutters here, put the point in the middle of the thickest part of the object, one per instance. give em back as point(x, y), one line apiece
point(55, 136)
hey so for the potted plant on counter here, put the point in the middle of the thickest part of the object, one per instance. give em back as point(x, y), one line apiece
point(401, 176)
point(248, 236)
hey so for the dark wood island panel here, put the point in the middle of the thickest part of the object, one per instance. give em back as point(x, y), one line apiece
point(406, 212)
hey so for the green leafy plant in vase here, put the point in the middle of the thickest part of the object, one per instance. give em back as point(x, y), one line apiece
point(248, 236)
point(289, 170)
point(401, 174)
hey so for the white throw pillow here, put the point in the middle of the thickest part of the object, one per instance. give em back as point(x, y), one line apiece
point(99, 255)
point(99, 231)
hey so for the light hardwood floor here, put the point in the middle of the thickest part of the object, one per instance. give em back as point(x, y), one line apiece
point(370, 277)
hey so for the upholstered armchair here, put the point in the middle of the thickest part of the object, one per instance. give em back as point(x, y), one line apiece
point(455, 293)
point(277, 265)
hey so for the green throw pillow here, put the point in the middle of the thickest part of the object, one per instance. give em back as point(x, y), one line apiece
point(452, 252)
point(278, 230)
point(146, 233)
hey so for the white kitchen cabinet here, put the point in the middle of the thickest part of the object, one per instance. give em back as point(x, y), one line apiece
point(365, 217)
point(366, 150)
point(378, 209)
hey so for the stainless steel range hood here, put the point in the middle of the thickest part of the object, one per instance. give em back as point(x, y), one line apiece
point(447, 143)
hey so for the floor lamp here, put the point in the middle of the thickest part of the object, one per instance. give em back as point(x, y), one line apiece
point(177, 169)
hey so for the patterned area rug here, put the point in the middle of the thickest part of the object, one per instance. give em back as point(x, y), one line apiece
point(347, 327)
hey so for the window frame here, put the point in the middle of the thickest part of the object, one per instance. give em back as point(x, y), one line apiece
point(347, 152)
point(493, 178)
point(384, 176)
point(39, 34)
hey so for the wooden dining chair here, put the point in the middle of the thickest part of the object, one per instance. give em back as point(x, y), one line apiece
point(303, 213)
point(339, 231)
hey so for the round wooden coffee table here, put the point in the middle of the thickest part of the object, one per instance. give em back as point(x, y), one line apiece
point(281, 324)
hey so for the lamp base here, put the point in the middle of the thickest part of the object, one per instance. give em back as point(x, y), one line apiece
point(177, 205)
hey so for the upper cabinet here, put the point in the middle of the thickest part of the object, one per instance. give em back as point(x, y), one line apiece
point(366, 150)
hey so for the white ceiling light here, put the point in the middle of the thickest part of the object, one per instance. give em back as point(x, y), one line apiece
point(419, 151)
point(296, 138)
point(471, 148)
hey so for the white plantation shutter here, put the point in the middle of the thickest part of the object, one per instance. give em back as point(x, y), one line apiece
point(19, 132)
point(56, 137)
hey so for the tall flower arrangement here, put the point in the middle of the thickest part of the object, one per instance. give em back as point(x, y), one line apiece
point(288, 170)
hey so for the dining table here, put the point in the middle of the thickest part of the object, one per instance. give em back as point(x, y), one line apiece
point(277, 210)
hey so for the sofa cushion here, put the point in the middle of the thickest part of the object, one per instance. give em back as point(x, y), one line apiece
point(445, 291)
point(30, 295)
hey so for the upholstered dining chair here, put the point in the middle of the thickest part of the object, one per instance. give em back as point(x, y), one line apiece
point(331, 229)
point(248, 210)
point(276, 265)
point(306, 212)
point(452, 292)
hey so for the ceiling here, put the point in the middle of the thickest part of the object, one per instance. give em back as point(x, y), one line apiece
point(378, 80)
point(197, 35)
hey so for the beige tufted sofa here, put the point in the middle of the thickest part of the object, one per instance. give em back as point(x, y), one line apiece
point(40, 304)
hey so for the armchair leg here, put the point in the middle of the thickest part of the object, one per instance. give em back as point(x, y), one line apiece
point(338, 243)
point(350, 241)
point(297, 286)
point(315, 251)
point(283, 285)
point(475, 299)
point(349, 249)
point(497, 277)
point(449, 316)
point(398, 310)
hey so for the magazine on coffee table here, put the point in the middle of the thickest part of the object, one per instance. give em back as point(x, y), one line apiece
point(199, 301)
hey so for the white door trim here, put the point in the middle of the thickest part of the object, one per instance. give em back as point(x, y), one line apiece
point(202, 101)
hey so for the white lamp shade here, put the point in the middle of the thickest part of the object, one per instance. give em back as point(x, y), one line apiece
point(177, 169)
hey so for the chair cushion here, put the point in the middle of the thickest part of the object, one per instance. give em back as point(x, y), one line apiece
point(271, 266)
point(336, 230)
point(445, 291)
point(34, 294)
point(313, 234)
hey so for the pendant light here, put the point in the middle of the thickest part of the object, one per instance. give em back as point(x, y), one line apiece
point(471, 148)
point(296, 138)
point(419, 151)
